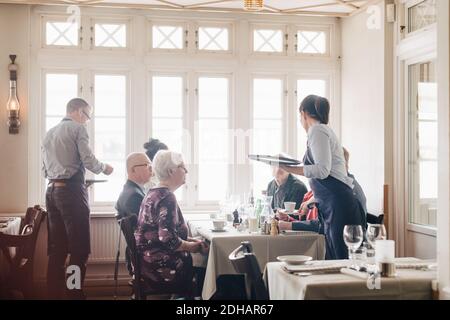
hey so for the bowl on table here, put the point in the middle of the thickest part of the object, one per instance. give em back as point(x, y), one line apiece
point(294, 260)
point(218, 224)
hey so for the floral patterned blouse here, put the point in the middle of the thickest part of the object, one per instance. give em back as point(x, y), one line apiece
point(161, 229)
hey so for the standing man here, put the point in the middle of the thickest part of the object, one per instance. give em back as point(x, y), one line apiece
point(66, 154)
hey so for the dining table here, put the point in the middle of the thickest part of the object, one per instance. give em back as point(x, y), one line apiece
point(8, 225)
point(265, 247)
point(334, 280)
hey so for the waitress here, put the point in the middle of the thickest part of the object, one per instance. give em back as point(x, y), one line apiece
point(324, 165)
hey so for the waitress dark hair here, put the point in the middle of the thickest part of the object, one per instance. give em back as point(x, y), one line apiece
point(316, 107)
point(153, 146)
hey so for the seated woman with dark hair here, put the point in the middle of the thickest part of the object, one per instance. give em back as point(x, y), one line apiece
point(153, 146)
point(162, 234)
point(151, 149)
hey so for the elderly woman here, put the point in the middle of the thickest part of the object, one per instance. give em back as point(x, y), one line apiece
point(162, 234)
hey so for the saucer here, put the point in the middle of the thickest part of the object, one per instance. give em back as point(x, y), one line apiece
point(218, 230)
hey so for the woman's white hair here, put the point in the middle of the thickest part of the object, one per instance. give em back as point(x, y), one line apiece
point(164, 162)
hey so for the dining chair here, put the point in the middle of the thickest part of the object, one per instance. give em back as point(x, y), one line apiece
point(128, 226)
point(244, 262)
point(21, 264)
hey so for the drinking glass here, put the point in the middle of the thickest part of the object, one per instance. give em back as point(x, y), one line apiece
point(353, 237)
point(375, 232)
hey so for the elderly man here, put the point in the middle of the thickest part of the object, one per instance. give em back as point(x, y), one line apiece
point(66, 154)
point(285, 188)
point(139, 170)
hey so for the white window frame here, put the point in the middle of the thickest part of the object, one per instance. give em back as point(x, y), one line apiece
point(195, 146)
point(295, 115)
point(409, 4)
point(326, 30)
point(129, 31)
point(102, 206)
point(284, 111)
point(285, 42)
point(42, 113)
point(175, 61)
point(58, 18)
point(184, 119)
point(169, 23)
point(228, 26)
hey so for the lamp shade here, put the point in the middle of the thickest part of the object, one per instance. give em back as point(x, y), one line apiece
point(13, 101)
point(253, 5)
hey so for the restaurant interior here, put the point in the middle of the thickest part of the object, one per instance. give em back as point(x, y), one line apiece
point(232, 122)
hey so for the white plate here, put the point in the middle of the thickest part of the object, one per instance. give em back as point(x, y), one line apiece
point(294, 260)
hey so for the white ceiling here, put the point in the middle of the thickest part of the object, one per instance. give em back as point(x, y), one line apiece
point(338, 8)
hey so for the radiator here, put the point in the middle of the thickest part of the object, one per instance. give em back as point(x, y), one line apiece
point(104, 240)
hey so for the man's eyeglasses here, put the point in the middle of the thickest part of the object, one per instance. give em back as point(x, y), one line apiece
point(148, 165)
point(183, 167)
point(86, 114)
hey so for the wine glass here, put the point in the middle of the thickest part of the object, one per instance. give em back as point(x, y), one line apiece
point(353, 237)
point(375, 232)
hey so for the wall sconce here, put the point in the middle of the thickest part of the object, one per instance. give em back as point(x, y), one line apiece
point(13, 106)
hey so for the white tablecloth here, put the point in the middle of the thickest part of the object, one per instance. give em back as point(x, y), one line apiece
point(265, 247)
point(409, 284)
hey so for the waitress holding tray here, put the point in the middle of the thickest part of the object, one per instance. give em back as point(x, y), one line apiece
point(324, 165)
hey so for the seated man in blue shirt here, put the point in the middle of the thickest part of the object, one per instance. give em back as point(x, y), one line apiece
point(285, 188)
point(139, 170)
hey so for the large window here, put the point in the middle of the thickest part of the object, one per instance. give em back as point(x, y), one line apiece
point(61, 33)
point(107, 128)
point(213, 90)
point(306, 87)
point(423, 137)
point(59, 89)
point(268, 40)
point(110, 35)
point(169, 37)
point(168, 92)
point(213, 110)
point(421, 14)
point(268, 101)
point(213, 38)
point(110, 108)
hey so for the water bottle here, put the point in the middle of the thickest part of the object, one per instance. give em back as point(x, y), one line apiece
point(266, 212)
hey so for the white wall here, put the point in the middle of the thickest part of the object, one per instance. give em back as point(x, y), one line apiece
point(363, 103)
point(14, 39)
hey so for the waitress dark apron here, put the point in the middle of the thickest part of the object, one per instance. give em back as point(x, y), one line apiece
point(337, 207)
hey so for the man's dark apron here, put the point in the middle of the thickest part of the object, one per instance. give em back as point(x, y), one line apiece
point(337, 207)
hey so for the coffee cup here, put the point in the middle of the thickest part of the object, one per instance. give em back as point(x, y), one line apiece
point(289, 206)
point(219, 224)
point(252, 224)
